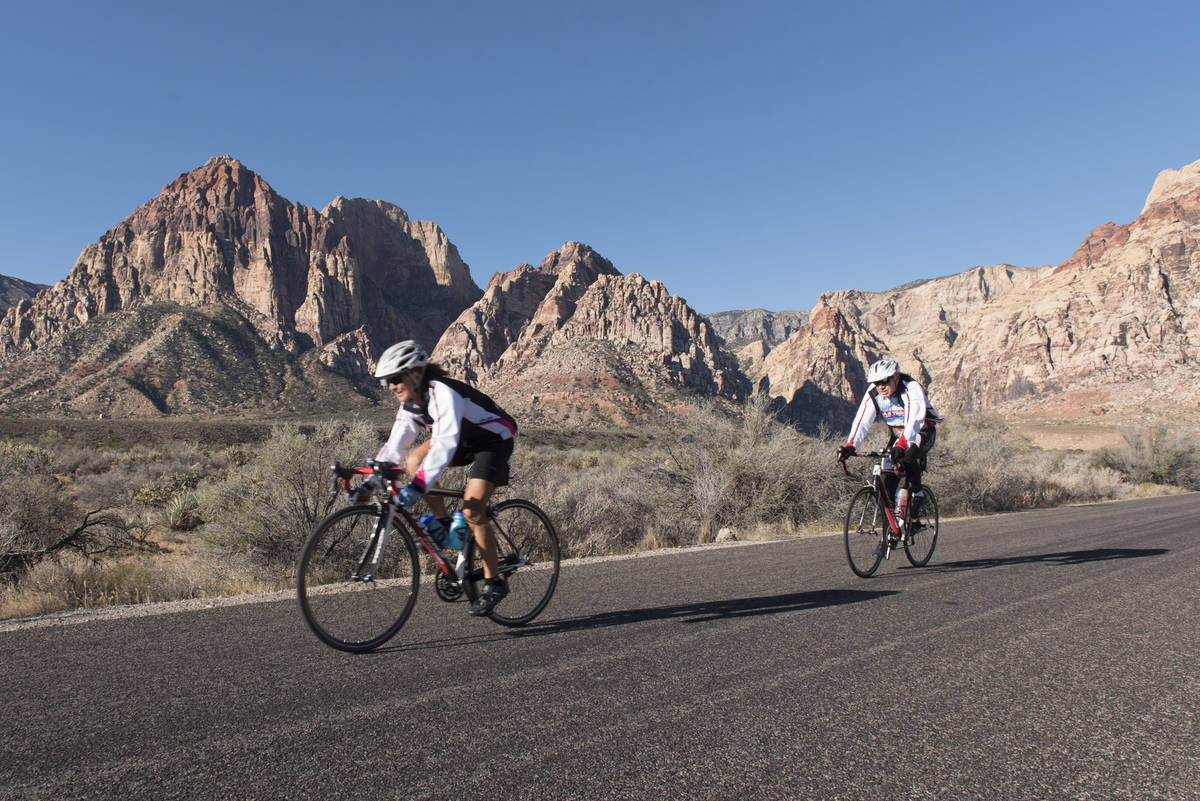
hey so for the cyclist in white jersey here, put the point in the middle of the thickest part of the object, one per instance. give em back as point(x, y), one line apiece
point(901, 402)
point(465, 427)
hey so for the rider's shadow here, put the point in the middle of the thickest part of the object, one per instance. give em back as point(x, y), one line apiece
point(707, 611)
point(700, 612)
point(1059, 558)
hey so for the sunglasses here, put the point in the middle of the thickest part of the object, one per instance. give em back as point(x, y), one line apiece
point(393, 379)
point(883, 383)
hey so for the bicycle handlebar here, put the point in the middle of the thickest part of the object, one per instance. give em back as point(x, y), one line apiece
point(385, 470)
point(866, 455)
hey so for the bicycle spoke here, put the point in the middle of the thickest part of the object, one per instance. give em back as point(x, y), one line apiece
point(528, 558)
point(864, 533)
point(922, 538)
point(344, 609)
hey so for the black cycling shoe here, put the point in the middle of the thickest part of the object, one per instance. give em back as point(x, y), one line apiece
point(493, 593)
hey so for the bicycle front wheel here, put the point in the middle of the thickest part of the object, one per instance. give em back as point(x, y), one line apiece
point(344, 607)
point(864, 532)
point(528, 556)
point(922, 531)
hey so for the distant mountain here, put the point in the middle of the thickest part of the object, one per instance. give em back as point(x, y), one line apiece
point(189, 302)
point(575, 340)
point(747, 326)
point(14, 290)
point(219, 296)
point(1113, 329)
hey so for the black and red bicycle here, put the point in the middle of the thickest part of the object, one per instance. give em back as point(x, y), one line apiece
point(358, 575)
point(873, 530)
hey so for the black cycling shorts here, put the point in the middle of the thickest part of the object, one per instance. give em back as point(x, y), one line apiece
point(488, 461)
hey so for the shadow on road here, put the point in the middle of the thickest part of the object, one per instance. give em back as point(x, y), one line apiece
point(706, 611)
point(1063, 558)
point(701, 612)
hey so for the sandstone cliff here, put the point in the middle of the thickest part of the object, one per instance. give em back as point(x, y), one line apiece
point(743, 327)
point(1122, 315)
point(328, 288)
point(575, 339)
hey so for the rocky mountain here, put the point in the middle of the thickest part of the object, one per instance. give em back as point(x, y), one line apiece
point(221, 296)
point(752, 333)
point(574, 339)
point(14, 290)
point(218, 280)
point(1116, 327)
point(744, 327)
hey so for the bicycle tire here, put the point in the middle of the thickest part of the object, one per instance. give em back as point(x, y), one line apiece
point(352, 614)
point(524, 534)
point(864, 532)
point(922, 538)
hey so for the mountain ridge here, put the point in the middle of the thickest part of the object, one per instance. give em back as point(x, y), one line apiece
point(271, 285)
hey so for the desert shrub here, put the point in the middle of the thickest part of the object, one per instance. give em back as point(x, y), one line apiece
point(73, 581)
point(160, 491)
point(746, 468)
point(979, 465)
point(267, 507)
point(1153, 455)
point(680, 480)
point(181, 512)
point(40, 518)
point(591, 494)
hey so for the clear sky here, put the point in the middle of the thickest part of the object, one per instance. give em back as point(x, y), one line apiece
point(748, 154)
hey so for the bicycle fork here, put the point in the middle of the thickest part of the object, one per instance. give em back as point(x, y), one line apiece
point(368, 563)
point(892, 536)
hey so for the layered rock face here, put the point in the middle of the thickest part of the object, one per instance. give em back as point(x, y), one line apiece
point(303, 278)
point(1122, 314)
point(743, 327)
point(574, 337)
point(328, 289)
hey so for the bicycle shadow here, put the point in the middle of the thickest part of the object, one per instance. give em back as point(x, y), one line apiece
point(701, 612)
point(1062, 558)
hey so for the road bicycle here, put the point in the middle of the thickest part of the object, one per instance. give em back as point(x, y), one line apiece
point(358, 575)
point(872, 531)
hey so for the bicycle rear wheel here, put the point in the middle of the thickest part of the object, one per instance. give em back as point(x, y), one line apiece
point(347, 612)
point(864, 532)
point(528, 554)
point(923, 531)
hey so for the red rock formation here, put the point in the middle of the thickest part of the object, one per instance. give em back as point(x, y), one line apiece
point(1124, 310)
point(574, 336)
point(303, 278)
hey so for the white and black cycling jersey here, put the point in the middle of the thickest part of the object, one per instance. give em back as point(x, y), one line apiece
point(904, 412)
point(457, 416)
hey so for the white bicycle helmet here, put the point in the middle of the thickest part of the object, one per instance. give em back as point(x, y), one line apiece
point(399, 358)
point(882, 370)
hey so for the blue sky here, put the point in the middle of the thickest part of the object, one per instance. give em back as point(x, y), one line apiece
point(748, 154)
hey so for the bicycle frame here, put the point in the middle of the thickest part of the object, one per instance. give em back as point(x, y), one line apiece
point(377, 544)
point(876, 482)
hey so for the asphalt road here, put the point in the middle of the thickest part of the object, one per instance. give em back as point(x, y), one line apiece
point(1042, 655)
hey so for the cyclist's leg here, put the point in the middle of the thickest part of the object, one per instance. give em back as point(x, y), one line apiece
point(475, 501)
point(489, 469)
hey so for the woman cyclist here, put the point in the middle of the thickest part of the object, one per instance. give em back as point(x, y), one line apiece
point(466, 427)
point(901, 402)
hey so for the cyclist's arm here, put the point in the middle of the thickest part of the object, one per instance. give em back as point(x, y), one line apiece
point(862, 421)
point(404, 432)
point(446, 409)
point(914, 415)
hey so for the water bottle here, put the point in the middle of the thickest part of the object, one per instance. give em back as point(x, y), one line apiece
point(458, 531)
point(901, 504)
point(435, 528)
